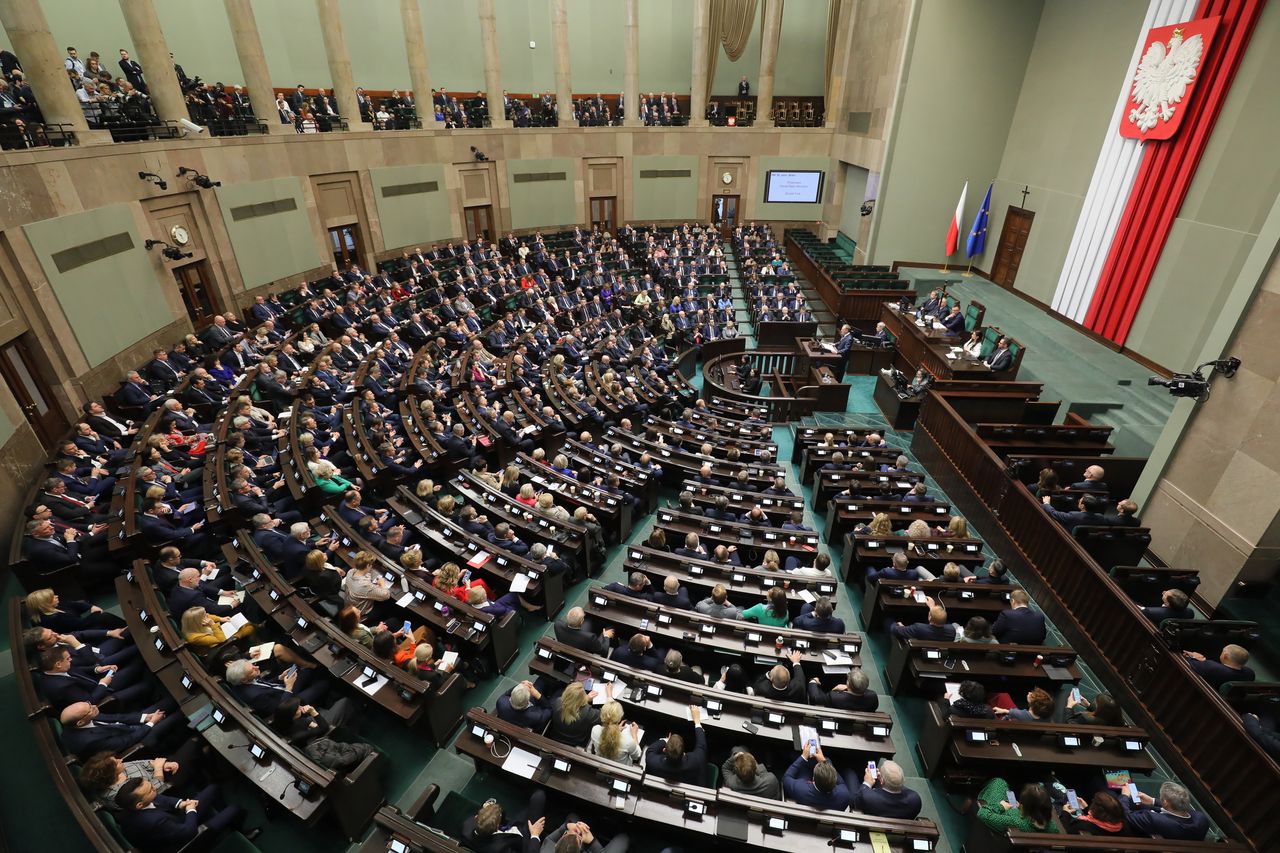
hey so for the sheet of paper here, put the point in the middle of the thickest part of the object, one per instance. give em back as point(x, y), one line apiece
point(521, 762)
point(480, 558)
point(808, 733)
point(835, 657)
point(262, 651)
point(520, 583)
point(952, 689)
point(619, 691)
point(808, 596)
point(373, 686)
point(448, 659)
point(186, 507)
point(405, 600)
point(234, 624)
point(879, 842)
point(212, 574)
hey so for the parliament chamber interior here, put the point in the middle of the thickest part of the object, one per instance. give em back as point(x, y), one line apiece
point(653, 425)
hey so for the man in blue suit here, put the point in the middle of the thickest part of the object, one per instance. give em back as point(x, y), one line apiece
point(190, 592)
point(1174, 604)
point(954, 321)
point(160, 823)
point(86, 730)
point(1019, 624)
point(1172, 818)
point(522, 706)
point(667, 758)
point(157, 528)
point(62, 686)
point(1086, 514)
point(812, 780)
point(936, 629)
point(672, 595)
point(136, 392)
point(883, 793)
point(263, 695)
point(818, 617)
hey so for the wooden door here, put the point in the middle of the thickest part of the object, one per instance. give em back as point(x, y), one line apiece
point(724, 213)
point(602, 213)
point(197, 295)
point(345, 242)
point(479, 221)
point(1013, 240)
point(22, 375)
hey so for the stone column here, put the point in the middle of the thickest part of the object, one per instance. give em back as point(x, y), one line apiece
point(564, 79)
point(631, 76)
point(492, 63)
point(701, 35)
point(768, 57)
point(335, 48)
point(253, 64)
point(415, 49)
point(834, 103)
point(43, 68)
point(153, 55)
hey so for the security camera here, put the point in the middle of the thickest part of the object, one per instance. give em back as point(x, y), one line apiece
point(190, 126)
point(203, 182)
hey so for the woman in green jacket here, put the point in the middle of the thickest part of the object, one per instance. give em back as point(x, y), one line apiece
point(774, 613)
point(1034, 812)
point(329, 480)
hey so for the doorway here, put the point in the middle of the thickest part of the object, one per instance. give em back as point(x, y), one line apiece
point(602, 210)
point(724, 213)
point(345, 243)
point(197, 296)
point(27, 384)
point(479, 222)
point(1013, 241)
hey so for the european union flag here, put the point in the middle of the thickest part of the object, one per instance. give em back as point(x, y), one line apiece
point(977, 241)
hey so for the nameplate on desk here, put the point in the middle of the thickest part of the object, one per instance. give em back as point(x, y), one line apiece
point(754, 638)
point(545, 654)
point(737, 497)
point(714, 528)
point(905, 510)
point(664, 619)
point(737, 578)
point(829, 725)
point(977, 736)
point(709, 630)
point(972, 548)
point(696, 570)
point(966, 595)
point(618, 786)
point(560, 765)
point(1131, 745)
point(871, 544)
point(776, 824)
point(1070, 741)
point(933, 654)
point(879, 731)
point(775, 719)
point(940, 510)
point(636, 555)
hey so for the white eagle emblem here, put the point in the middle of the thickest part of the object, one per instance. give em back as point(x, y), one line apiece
point(1162, 79)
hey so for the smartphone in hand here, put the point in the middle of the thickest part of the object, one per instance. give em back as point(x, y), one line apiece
point(1010, 799)
point(1073, 800)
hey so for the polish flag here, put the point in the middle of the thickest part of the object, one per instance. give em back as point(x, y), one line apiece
point(953, 233)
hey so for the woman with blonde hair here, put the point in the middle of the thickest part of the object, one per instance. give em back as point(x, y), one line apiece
point(919, 529)
point(46, 609)
point(610, 740)
point(880, 525)
point(527, 496)
point(203, 630)
point(510, 483)
point(771, 561)
point(449, 578)
point(329, 480)
point(574, 716)
point(957, 528)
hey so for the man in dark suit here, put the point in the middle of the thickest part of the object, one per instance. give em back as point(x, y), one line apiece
point(522, 705)
point(1019, 624)
point(817, 616)
point(783, 684)
point(62, 685)
point(136, 392)
point(1174, 604)
point(1093, 480)
point(158, 529)
point(189, 592)
point(954, 321)
point(637, 586)
point(639, 653)
point(853, 695)
point(264, 695)
point(86, 730)
point(167, 570)
point(156, 822)
point(812, 780)
point(488, 830)
point(1000, 357)
point(744, 88)
point(672, 595)
point(574, 630)
point(506, 428)
point(97, 418)
point(1173, 818)
point(1085, 515)
point(1124, 515)
point(936, 629)
point(1231, 665)
point(667, 757)
point(884, 794)
point(133, 72)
